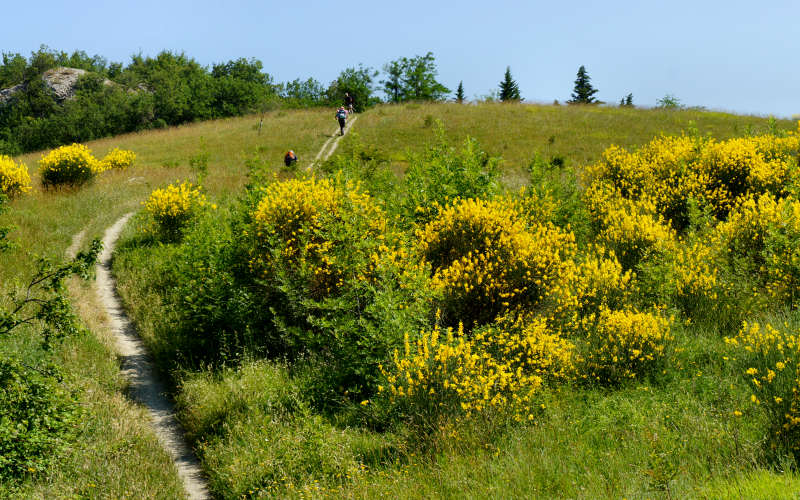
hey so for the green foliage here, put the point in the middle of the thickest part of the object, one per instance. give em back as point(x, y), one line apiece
point(626, 101)
point(583, 93)
point(413, 79)
point(37, 417)
point(43, 299)
point(4, 230)
point(460, 93)
point(509, 90)
point(212, 299)
point(442, 173)
point(393, 84)
point(148, 93)
point(358, 83)
point(302, 94)
point(558, 182)
point(669, 101)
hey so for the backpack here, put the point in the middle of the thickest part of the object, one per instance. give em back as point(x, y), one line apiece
point(341, 114)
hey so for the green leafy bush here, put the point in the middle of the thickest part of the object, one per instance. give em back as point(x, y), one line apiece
point(37, 417)
point(442, 173)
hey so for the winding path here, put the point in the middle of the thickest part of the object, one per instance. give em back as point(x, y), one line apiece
point(137, 367)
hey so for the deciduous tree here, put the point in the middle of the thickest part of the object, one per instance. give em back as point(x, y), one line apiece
point(413, 79)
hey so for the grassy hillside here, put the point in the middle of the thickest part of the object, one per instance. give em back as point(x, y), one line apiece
point(579, 134)
point(258, 430)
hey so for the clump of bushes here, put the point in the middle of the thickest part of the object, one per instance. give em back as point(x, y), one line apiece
point(668, 172)
point(496, 371)
point(761, 241)
point(486, 260)
point(37, 417)
point(624, 344)
point(443, 173)
point(340, 285)
point(14, 178)
point(173, 207)
point(118, 158)
point(71, 165)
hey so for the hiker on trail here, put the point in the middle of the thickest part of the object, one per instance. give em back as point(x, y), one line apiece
point(349, 102)
point(341, 115)
point(290, 158)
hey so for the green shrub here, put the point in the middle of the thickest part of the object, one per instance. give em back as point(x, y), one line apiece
point(442, 173)
point(37, 417)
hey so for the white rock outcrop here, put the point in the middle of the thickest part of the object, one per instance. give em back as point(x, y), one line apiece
point(60, 80)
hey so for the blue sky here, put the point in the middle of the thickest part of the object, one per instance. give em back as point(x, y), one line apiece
point(725, 55)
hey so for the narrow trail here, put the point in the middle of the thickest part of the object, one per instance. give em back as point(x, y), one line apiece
point(73, 248)
point(138, 369)
point(325, 152)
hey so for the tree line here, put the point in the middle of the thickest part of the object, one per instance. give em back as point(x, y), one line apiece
point(173, 88)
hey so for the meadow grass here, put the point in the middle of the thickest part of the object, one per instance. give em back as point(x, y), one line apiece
point(518, 132)
point(250, 422)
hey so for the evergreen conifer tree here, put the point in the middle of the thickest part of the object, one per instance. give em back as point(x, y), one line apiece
point(583, 92)
point(509, 90)
point(460, 92)
point(626, 101)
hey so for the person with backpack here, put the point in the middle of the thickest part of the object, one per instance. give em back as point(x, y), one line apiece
point(349, 103)
point(290, 158)
point(341, 115)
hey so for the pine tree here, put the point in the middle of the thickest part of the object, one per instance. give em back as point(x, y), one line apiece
point(626, 101)
point(583, 92)
point(460, 92)
point(509, 90)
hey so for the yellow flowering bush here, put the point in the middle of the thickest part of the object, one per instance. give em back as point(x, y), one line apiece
point(118, 158)
point(630, 228)
point(72, 165)
point(671, 171)
point(761, 240)
point(769, 358)
point(171, 208)
point(14, 178)
point(337, 282)
point(624, 344)
point(290, 222)
point(656, 172)
point(486, 260)
point(594, 282)
point(497, 370)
